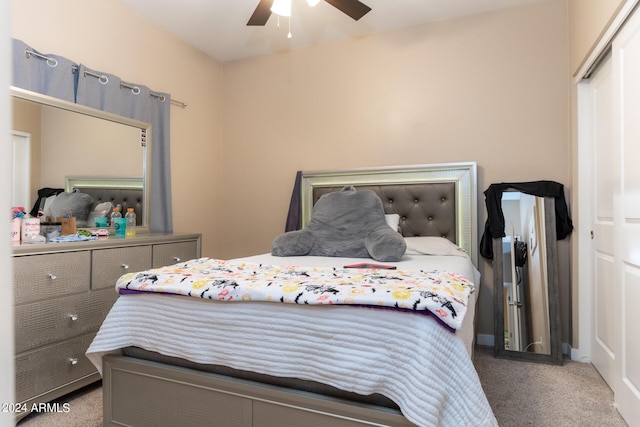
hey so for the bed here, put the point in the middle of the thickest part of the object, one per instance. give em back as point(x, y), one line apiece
point(176, 360)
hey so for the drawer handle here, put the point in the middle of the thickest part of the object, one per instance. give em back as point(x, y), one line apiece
point(73, 361)
point(73, 317)
point(52, 276)
point(176, 259)
point(125, 266)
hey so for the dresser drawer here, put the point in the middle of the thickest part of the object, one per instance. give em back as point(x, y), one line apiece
point(40, 277)
point(51, 367)
point(110, 264)
point(45, 322)
point(172, 253)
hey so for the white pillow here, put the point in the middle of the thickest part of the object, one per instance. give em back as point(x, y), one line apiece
point(393, 220)
point(432, 245)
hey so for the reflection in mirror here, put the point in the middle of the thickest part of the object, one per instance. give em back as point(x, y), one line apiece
point(525, 278)
point(67, 140)
point(526, 299)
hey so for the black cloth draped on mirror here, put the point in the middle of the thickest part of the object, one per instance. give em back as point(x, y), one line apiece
point(494, 226)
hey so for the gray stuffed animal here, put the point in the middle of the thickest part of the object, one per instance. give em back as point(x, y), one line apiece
point(345, 223)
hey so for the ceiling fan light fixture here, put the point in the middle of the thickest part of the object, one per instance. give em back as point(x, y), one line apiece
point(281, 7)
point(313, 3)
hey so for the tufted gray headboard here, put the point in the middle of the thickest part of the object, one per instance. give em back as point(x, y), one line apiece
point(125, 197)
point(431, 200)
point(424, 209)
point(128, 192)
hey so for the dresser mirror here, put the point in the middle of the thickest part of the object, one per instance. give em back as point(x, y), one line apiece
point(526, 280)
point(57, 142)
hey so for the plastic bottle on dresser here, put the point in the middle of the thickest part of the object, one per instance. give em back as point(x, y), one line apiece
point(115, 214)
point(131, 222)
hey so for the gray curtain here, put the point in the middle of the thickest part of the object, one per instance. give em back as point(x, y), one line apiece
point(158, 114)
point(107, 92)
point(55, 77)
point(103, 91)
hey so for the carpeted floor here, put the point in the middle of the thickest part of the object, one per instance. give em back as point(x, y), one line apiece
point(85, 410)
point(520, 393)
point(533, 394)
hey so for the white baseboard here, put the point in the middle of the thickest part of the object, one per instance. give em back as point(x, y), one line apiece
point(567, 350)
point(579, 356)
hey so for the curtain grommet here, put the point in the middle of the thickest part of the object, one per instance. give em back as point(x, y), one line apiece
point(51, 62)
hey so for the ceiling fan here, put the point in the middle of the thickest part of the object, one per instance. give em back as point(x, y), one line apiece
point(353, 8)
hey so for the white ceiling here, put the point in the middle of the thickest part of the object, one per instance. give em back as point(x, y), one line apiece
point(218, 27)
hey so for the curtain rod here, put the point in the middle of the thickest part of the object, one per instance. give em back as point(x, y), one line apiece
point(136, 90)
point(53, 62)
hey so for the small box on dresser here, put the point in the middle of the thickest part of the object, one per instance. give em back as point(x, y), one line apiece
point(63, 292)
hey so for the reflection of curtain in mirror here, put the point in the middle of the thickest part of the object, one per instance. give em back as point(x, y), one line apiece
point(107, 93)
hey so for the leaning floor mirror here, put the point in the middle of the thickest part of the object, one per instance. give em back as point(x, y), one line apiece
point(525, 271)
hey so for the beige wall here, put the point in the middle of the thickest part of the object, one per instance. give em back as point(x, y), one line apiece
point(491, 88)
point(587, 21)
point(487, 88)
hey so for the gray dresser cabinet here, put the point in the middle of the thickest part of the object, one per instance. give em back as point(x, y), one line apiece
point(63, 291)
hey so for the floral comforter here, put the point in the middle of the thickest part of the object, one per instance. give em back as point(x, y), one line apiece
point(441, 294)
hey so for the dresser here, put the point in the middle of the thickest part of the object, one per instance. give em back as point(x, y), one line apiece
point(62, 293)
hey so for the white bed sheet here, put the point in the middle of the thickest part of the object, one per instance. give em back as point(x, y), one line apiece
point(459, 264)
point(428, 371)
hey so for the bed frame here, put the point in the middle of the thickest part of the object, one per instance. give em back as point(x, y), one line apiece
point(140, 392)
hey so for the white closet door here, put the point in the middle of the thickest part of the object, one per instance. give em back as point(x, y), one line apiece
point(609, 204)
point(611, 144)
point(605, 184)
point(626, 72)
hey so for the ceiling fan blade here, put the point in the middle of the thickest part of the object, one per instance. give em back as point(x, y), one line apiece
point(353, 8)
point(262, 13)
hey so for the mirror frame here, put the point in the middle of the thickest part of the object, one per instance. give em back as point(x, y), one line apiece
point(555, 355)
point(145, 128)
